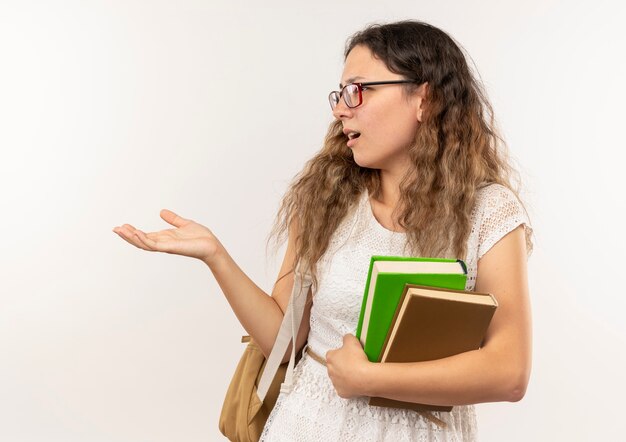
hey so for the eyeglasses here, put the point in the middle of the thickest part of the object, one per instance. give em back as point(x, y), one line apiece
point(352, 93)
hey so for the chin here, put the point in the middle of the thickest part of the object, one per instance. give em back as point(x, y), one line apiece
point(362, 162)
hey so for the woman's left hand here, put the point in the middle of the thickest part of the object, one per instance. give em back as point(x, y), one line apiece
point(347, 368)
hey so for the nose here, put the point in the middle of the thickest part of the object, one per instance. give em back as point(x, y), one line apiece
point(342, 110)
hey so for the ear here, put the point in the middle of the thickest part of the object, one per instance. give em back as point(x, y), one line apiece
point(421, 95)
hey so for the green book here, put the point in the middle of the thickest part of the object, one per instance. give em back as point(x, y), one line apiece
point(386, 279)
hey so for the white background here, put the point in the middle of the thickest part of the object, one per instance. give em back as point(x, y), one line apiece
point(111, 111)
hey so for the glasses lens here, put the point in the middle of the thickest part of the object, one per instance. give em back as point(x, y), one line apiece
point(333, 98)
point(351, 95)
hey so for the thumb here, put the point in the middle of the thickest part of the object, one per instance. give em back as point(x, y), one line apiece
point(352, 340)
point(173, 219)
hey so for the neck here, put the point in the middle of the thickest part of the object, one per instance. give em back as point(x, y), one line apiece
point(390, 187)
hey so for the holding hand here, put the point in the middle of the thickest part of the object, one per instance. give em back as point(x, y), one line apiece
point(187, 239)
point(347, 368)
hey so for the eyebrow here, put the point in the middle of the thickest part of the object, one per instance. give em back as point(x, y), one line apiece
point(350, 80)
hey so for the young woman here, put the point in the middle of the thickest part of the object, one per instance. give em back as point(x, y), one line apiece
point(412, 165)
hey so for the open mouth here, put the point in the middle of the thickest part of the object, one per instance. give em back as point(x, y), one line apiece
point(354, 135)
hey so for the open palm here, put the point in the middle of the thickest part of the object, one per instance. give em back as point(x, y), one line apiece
point(188, 238)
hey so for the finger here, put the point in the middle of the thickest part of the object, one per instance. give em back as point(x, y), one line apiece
point(124, 238)
point(130, 237)
point(135, 238)
point(137, 241)
point(172, 218)
point(124, 233)
point(129, 228)
point(140, 243)
point(148, 243)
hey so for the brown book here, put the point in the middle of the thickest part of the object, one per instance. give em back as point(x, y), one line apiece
point(433, 323)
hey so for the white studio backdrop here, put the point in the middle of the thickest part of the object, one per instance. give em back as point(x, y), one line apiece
point(113, 110)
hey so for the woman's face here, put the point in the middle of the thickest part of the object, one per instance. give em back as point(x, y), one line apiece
point(387, 119)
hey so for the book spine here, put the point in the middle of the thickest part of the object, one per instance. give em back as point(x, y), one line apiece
point(359, 326)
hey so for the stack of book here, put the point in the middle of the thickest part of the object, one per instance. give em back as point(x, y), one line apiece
point(416, 309)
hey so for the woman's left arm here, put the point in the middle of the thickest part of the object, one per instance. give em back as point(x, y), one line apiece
point(499, 371)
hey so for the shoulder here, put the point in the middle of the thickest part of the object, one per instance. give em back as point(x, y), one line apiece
point(499, 211)
point(493, 194)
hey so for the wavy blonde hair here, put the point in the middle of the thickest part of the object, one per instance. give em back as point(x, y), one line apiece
point(457, 150)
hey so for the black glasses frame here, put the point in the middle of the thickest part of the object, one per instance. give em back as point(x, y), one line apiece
point(335, 96)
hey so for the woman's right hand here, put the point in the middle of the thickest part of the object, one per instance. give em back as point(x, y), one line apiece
point(187, 239)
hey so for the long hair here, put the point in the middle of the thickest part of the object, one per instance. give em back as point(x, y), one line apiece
point(457, 150)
